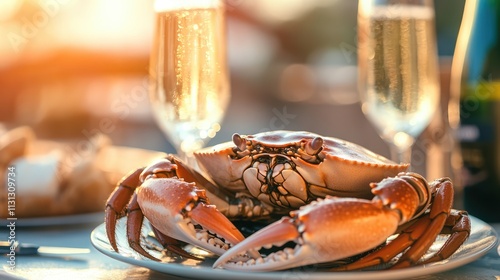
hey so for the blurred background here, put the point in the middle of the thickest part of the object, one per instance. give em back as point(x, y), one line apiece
point(72, 69)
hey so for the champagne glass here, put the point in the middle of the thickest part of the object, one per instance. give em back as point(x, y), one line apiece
point(398, 69)
point(189, 89)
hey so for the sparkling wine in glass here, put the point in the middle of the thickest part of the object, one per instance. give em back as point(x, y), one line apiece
point(190, 85)
point(398, 69)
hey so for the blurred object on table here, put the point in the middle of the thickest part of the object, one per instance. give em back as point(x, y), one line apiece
point(62, 178)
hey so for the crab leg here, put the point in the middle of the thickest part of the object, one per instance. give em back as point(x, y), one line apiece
point(173, 245)
point(122, 195)
point(117, 202)
point(460, 225)
point(334, 228)
point(438, 215)
point(134, 225)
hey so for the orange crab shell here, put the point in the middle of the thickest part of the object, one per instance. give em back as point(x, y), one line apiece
point(347, 169)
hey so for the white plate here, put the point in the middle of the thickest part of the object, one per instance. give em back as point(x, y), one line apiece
point(482, 238)
point(77, 219)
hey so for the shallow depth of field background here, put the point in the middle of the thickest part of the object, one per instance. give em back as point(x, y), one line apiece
point(74, 68)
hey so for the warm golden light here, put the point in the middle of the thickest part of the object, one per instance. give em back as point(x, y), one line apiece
point(169, 5)
point(8, 8)
point(42, 26)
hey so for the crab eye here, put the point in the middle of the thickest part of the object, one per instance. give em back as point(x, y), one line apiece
point(240, 142)
point(314, 146)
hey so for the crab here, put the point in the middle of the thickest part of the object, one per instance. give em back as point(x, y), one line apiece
point(325, 200)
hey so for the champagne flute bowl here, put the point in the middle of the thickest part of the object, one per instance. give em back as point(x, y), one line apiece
point(398, 69)
point(189, 89)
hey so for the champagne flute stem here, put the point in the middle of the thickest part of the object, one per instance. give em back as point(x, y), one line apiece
point(400, 155)
point(187, 148)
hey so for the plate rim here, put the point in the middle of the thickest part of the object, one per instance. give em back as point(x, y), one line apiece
point(60, 220)
point(209, 273)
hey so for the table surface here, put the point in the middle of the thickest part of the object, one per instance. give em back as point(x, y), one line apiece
point(98, 266)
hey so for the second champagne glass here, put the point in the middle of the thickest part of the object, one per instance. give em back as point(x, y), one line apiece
point(190, 85)
point(398, 69)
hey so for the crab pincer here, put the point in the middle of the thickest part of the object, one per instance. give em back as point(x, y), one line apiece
point(181, 211)
point(335, 228)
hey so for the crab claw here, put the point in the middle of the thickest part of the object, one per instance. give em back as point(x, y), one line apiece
point(323, 231)
point(180, 210)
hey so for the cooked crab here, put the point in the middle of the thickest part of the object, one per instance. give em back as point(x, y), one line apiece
point(267, 175)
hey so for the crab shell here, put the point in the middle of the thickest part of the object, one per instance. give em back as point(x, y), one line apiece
point(290, 169)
